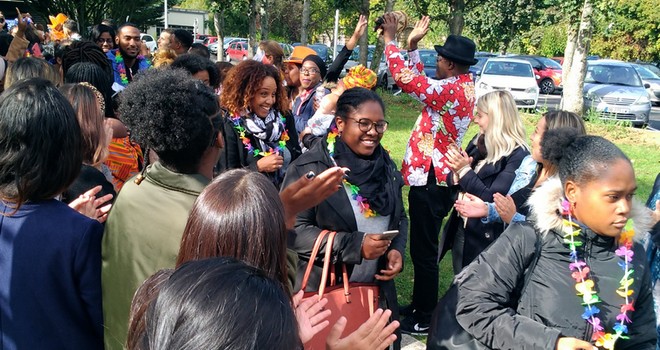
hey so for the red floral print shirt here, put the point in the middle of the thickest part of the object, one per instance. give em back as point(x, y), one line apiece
point(448, 111)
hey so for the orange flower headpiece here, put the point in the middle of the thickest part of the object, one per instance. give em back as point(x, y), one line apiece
point(56, 31)
point(360, 76)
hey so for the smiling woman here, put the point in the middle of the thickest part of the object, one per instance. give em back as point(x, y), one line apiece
point(259, 130)
point(368, 203)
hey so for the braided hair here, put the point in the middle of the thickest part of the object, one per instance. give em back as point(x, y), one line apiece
point(85, 51)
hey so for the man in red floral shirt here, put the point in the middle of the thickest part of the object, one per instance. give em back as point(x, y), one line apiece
point(447, 112)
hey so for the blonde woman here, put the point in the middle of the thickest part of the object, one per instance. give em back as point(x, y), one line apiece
point(487, 166)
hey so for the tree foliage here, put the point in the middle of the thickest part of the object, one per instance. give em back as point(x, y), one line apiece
point(497, 22)
point(629, 30)
point(143, 13)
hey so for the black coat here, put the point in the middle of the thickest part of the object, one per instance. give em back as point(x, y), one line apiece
point(491, 179)
point(235, 156)
point(336, 213)
point(549, 307)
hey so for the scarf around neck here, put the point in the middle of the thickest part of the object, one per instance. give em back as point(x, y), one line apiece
point(371, 174)
point(267, 130)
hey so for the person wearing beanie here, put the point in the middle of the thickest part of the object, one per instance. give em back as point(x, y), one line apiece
point(291, 70)
point(318, 125)
point(312, 74)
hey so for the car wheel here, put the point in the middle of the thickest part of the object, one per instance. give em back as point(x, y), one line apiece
point(547, 86)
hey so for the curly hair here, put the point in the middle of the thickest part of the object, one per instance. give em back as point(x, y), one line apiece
point(242, 83)
point(168, 111)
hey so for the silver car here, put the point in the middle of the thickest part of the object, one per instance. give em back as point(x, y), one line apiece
point(615, 91)
point(652, 80)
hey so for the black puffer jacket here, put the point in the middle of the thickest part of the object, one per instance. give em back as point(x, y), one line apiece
point(549, 307)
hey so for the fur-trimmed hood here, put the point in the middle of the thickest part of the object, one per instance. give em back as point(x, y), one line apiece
point(545, 208)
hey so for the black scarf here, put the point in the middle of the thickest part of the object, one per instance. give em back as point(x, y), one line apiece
point(371, 174)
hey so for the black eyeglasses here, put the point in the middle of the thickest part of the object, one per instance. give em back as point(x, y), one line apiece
point(104, 41)
point(310, 71)
point(365, 125)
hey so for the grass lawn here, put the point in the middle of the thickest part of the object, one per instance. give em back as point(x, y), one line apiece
point(643, 148)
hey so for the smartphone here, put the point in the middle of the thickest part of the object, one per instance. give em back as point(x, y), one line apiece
point(388, 235)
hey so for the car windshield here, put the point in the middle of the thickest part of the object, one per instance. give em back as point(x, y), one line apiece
point(480, 62)
point(612, 74)
point(355, 56)
point(227, 40)
point(549, 63)
point(516, 69)
point(652, 68)
point(429, 58)
point(646, 73)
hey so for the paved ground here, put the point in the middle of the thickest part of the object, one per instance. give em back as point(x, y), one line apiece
point(410, 343)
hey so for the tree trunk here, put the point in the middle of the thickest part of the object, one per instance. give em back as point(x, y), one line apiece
point(456, 19)
point(252, 31)
point(380, 45)
point(572, 100)
point(218, 23)
point(265, 18)
point(569, 51)
point(364, 39)
point(305, 21)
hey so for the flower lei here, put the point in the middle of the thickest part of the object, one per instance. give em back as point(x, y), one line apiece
point(121, 67)
point(281, 144)
point(584, 285)
point(363, 203)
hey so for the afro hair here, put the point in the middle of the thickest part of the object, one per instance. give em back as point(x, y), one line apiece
point(168, 112)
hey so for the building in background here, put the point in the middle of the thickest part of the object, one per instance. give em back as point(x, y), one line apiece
point(178, 18)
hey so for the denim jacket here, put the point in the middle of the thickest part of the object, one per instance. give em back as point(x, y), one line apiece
point(524, 174)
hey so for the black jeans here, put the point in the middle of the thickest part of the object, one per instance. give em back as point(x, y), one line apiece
point(427, 205)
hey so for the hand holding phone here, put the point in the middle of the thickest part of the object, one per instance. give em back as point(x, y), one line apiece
point(388, 235)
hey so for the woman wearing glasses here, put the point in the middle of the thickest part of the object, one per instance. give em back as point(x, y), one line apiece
point(104, 36)
point(368, 203)
point(312, 73)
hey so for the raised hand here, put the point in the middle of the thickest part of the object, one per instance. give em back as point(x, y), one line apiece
point(375, 334)
point(310, 315)
point(420, 30)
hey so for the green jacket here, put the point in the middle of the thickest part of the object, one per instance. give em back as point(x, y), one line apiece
point(142, 235)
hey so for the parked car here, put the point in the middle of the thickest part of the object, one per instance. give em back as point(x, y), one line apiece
point(149, 41)
point(650, 66)
point(323, 51)
point(476, 69)
point(237, 51)
point(548, 72)
point(652, 80)
point(210, 40)
point(287, 49)
point(511, 74)
point(615, 90)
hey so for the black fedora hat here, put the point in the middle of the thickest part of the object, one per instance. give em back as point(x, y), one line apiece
point(458, 49)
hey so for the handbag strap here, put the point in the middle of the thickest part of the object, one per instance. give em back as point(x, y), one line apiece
point(312, 258)
point(326, 262)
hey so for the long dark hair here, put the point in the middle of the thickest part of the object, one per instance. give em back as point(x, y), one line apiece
point(99, 29)
point(221, 303)
point(239, 215)
point(40, 142)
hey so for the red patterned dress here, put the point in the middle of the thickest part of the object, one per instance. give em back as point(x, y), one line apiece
point(448, 111)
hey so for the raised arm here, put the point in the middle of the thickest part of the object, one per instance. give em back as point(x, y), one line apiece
point(342, 57)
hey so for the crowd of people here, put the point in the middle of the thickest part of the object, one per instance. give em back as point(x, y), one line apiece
point(166, 201)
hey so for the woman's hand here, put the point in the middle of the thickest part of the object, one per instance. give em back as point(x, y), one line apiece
point(360, 27)
point(310, 315)
point(505, 206)
point(90, 206)
point(309, 191)
point(472, 207)
point(566, 343)
point(394, 265)
point(373, 247)
point(375, 334)
point(270, 163)
point(457, 159)
point(656, 212)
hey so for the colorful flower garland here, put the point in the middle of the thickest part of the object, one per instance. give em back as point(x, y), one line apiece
point(363, 203)
point(281, 144)
point(121, 67)
point(584, 285)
